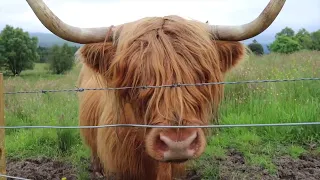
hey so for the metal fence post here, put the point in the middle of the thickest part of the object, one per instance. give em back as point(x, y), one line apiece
point(2, 131)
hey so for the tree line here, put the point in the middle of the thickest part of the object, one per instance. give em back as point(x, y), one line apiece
point(19, 51)
point(287, 41)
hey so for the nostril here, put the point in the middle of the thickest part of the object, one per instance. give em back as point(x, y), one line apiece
point(161, 145)
point(195, 143)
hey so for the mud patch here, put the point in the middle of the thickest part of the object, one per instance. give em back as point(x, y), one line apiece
point(306, 167)
point(45, 168)
point(234, 166)
point(231, 167)
point(40, 169)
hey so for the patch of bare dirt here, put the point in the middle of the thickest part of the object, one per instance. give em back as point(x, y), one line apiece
point(306, 167)
point(40, 169)
point(233, 167)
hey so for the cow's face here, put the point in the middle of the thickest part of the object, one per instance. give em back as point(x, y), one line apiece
point(157, 52)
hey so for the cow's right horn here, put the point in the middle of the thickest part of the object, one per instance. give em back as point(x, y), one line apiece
point(246, 31)
point(65, 31)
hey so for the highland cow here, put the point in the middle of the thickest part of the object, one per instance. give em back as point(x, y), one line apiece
point(152, 51)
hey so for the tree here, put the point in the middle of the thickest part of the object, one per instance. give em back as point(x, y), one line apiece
point(74, 49)
point(256, 48)
point(18, 50)
point(286, 32)
point(43, 53)
point(2, 58)
point(304, 38)
point(315, 37)
point(285, 44)
point(61, 59)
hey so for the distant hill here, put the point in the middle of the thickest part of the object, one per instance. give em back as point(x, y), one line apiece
point(48, 40)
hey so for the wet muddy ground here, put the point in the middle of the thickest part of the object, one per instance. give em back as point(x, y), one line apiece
point(233, 167)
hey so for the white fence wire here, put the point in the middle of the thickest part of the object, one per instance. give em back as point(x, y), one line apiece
point(13, 177)
point(160, 126)
point(163, 86)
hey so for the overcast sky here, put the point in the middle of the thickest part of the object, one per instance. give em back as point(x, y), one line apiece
point(91, 13)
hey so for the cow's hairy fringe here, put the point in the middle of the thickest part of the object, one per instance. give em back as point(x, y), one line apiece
point(155, 51)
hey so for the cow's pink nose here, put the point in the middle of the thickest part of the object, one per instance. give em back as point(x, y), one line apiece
point(176, 148)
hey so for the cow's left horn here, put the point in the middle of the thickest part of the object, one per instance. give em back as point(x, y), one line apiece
point(65, 31)
point(246, 31)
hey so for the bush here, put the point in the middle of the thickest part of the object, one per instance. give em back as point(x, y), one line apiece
point(256, 48)
point(304, 39)
point(43, 53)
point(61, 59)
point(315, 36)
point(285, 44)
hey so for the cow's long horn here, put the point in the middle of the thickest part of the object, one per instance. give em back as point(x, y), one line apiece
point(246, 31)
point(65, 31)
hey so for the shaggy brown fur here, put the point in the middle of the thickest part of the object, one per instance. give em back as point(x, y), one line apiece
point(151, 51)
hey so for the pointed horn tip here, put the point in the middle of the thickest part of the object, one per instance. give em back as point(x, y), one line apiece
point(64, 30)
point(252, 29)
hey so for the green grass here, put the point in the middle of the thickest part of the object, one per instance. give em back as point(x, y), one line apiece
point(285, 102)
point(281, 102)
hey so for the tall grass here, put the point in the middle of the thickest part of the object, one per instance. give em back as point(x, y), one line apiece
point(243, 103)
point(263, 103)
point(276, 102)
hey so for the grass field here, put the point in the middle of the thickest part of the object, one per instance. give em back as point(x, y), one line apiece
point(244, 103)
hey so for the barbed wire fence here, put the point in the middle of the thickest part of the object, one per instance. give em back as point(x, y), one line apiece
point(161, 86)
point(154, 126)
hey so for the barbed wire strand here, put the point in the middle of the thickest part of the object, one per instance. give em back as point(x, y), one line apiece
point(13, 177)
point(160, 126)
point(163, 86)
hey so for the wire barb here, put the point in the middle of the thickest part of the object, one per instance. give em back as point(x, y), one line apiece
point(161, 86)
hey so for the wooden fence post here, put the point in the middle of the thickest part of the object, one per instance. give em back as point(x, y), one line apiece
point(2, 131)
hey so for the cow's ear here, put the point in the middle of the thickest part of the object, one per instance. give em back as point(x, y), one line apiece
point(97, 56)
point(230, 54)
